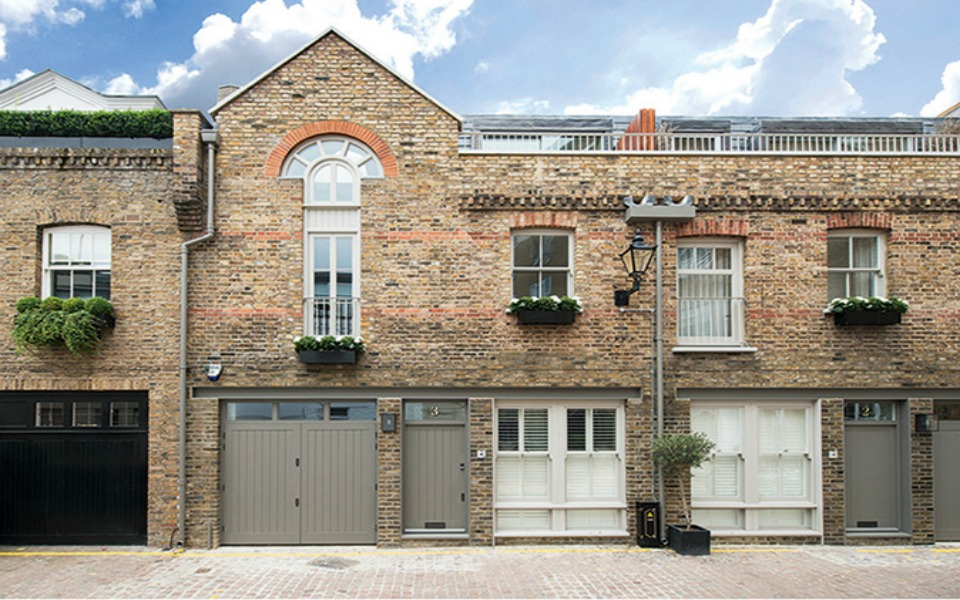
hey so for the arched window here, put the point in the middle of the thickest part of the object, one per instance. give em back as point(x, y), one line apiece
point(332, 168)
point(76, 261)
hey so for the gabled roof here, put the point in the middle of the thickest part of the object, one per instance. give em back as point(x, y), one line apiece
point(49, 90)
point(330, 31)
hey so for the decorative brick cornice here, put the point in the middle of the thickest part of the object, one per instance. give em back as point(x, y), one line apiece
point(866, 220)
point(709, 227)
point(543, 219)
point(494, 201)
point(480, 201)
point(318, 128)
point(86, 159)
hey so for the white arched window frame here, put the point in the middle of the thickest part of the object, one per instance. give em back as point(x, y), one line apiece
point(76, 261)
point(332, 168)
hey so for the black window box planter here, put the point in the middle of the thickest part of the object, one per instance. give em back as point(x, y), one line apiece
point(328, 357)
point(694, 541)
point(545, 317)
point(866, 317)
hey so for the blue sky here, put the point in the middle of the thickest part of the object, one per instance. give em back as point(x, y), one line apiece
point(680, 57)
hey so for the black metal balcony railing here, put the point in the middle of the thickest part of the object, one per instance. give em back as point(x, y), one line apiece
point(331, 316)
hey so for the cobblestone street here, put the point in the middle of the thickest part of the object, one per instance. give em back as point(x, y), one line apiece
point(505, 572)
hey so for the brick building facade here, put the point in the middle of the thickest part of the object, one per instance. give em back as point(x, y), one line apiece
point(348, 201)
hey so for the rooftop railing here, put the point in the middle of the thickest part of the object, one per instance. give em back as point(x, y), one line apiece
point(709, 143)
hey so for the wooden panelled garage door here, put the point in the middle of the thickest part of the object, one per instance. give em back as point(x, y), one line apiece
point(299, 473)
point(73, 467)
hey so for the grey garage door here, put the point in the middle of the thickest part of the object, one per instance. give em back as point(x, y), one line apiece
point(299, 473)
point(946, 478)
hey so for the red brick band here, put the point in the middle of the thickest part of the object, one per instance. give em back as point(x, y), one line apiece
point(295, 137)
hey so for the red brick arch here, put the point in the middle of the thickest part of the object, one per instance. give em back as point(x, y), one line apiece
point(310, 130)
point(714, 227)
point(865, 220)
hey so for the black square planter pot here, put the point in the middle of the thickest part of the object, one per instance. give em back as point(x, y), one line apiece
point(866, 317)
point(328, 357)
point(545, 317)
point(689, 542)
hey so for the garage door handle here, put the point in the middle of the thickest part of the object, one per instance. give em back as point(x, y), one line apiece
point(296, 502)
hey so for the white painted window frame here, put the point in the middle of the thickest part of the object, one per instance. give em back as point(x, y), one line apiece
point(738, 307)
point(880, 279)
point(748, 503)
point(569, 270)
point(48, 269)
point(556, 503)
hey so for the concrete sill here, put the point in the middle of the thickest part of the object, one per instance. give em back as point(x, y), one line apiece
point(713, 349)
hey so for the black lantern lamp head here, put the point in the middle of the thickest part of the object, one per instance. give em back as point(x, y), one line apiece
point(636, 261)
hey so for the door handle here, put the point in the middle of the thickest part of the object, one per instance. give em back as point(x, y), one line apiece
point(463, 466)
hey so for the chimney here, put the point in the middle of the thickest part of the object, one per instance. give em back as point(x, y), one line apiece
point(644, 123)
point(225, 90)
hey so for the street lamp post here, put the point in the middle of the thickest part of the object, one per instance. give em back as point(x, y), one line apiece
point(657, 211)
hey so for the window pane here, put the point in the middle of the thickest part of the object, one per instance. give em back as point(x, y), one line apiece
point(83, 284)
point(356, 153)
point(685, 258)
point(321, 253)
point(604, 430)
point(553, 284)
point(344, 254)
point(523, 520)
point(784, 518)
point(101, 250)
point(49, 414)
point(250, 411)
point(321, 184)
point(86, 414)
point(838, 255)
point(576, 429)
point(15, 414)
point(526, 251)
point(535, 430)
point(344, 184)
point(435, 411)
point(555, 251)
point(102, 284)
point(862, 284)
point(526, 284)
point(836, 285)
point(300, 411)
point(722, 257)
point(593, 519)
point(714, 518)
point(61, 284)
point(353, 411)
point(332, 147)
point(124, 414)
point(59, 248)
point(508, 430)
point(81, 248)
point(371, 168)
point(704, 258)
point(865, 252)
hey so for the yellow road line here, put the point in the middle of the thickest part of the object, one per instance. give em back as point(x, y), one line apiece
point(771, 549)
point(885, 550)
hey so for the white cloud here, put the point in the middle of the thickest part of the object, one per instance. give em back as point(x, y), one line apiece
point(136, 8)
point(20, 76)
point(226, 51)
point(949, 95)
point(124, 85)
point(17, 15)
point(793, 60)
point(523, 106)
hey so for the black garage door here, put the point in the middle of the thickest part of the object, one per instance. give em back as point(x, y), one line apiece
point(73, 468)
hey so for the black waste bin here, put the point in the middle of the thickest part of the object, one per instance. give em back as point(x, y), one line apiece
point(648, 524)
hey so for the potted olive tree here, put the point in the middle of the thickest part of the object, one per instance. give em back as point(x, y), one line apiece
point(676, 454)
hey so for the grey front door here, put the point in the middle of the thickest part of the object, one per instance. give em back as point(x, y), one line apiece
point(435, 464)
point(946, 481)
point(873, 466)
point(299, 473)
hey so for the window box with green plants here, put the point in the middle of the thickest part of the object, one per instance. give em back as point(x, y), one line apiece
point(875, 310)
point(675, 454)
point(329, 349)
point(74, 323)
point(545, 310)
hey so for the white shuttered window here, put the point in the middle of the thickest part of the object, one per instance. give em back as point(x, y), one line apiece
point(559, 468)
point(761, 476)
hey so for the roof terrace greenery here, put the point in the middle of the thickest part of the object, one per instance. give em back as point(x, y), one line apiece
point(156, 123)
